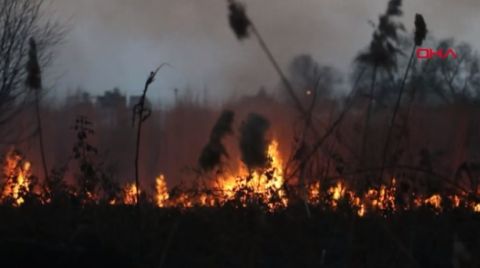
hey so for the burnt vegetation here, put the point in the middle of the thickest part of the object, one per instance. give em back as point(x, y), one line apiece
point(386, 175)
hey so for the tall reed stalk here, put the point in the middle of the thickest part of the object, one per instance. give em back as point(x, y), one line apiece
point(242, 26)
point(420, 34)
point(34, 81)
point(368, 116)
point(143, 113)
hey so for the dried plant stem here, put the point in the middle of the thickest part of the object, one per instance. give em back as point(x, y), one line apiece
point(395, 111)
point(304, 162)
point(368, 115)
point(297, 103)
point(141, 111)
point(285, 81)
point(317, 145)
point(34, 81)
point(290, 90)
point(40, 134)
point(288, 86)
point(137, 153)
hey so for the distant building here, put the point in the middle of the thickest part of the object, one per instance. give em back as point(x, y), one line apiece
point(112, 100)
point(112, 107)
point(80, 98)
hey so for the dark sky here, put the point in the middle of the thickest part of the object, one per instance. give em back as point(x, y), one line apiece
point(117, 42)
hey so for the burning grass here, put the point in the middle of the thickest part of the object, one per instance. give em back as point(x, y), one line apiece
point(16, 182)
point(267, 188)
point(266, 209)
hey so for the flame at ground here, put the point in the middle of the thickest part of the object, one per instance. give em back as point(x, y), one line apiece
point(266, 187)
point(161, 191)
point(434, 201)
point(337, 192)
point(476, 208)
point(16, 181)
point(130, 194)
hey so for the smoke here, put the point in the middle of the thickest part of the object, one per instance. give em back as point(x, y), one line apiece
point(123, 40)
point(212, 153)
point(253, 141)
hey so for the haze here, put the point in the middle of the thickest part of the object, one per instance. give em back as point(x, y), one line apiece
point(115, 43)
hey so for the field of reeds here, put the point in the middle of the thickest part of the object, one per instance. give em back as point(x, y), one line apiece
point(386, 175)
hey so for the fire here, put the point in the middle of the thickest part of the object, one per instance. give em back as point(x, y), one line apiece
point(130, 194)
point(16, 178)
point(244, 188)
point(476, 208)
point(361, 210)
point(336, 192)
point(161, 191)
point(434, 201)
point(314, 193)
point(382, 199)
point(456, 201)
point(266, 185)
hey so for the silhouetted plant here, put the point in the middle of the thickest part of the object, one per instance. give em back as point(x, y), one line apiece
point(238, 19)
point(214, 150)
point(383, 49)
point(56, 191)
point(420, 30)
point(419, 37)
point(253, 142)
point(84, 152)
point(382, 53)
point(242, 25)
point(34, 81)
point(143, 113)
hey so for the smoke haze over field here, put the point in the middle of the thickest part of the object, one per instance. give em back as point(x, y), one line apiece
point(117, 42)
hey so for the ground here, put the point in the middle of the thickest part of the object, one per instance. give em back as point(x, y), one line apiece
point(116, 236)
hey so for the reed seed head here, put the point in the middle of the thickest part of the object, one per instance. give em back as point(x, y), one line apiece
point(212, 153)
point(253, 142)
point(420, 30)
point(238, 19)
point(383, 47)
point(34, 74)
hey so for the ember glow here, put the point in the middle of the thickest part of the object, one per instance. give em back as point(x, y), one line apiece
point(245, 188)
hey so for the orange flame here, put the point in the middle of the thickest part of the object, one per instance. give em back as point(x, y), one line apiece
point(266, 186)
point(130, 194)
point(434, 201)
point(161, 191)
point(17, 173)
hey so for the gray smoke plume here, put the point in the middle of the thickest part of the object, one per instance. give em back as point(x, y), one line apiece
point(253, 142)
point(212, 153)
point(123, 39)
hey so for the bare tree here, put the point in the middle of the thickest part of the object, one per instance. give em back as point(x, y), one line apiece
point(21, 20)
